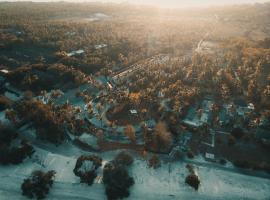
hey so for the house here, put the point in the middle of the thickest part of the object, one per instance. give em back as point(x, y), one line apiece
point(185, 138)
point(109, 85)
point(150, 123)
point(100, 46)
point(209, 156)
point(197, 117)
point(4, 71)
point(134, 112)
point(70, 33)
point(89, 140)
point(161, 94)
point(73, 53)
point(242, 111)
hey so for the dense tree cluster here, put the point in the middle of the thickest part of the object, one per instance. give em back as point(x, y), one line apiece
point(47, 119)
point(116, 178)
point(129, 37)
point(38, 77)
point(11, 154)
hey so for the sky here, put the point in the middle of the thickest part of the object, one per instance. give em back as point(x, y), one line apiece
point(169, 3)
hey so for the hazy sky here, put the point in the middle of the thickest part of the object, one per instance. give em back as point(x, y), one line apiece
point(169, 3)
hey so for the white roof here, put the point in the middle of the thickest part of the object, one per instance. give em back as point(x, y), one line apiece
point(192, 122)
point(100, 46)
point(5, 71)
point(133, 111)
point(251, 106)
point(72, 53)
point(209, 155)
point(110, 85)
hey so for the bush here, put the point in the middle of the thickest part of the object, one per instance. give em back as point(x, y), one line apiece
point(14, 155)
point(231, 140)
point(86, 167)
point(38, 185)
point(4, 102)
point(17, 155)
point(222, 161)
point(190, 168)
point(7, 134)
point(238, 133)
point(124, 158)
point(4, 154)
point(193, 181)
point(242, 164)
point(117, 181)
point(190, 154)
point(154, 162)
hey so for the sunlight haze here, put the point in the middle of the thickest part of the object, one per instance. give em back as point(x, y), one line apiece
point(163, 3)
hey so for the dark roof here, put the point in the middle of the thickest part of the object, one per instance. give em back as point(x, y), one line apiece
point(240, 102)
point(263, 134)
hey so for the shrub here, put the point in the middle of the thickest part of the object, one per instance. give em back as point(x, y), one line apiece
point(4, 102)
point(7, 134)
point(190, 154)
point(242, 164)
point(14, 155)
point(124, 158)
point(154, 162)
point(4, 154)
point(238, 133)
point(231, 140)
point(190, 168)
point(193, 181)
point(17, 155)
point(222, 161)
point(38, 185)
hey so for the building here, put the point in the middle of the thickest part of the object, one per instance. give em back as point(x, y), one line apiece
point(134, 112)
point(209, 156)
point(73, 53)
point(100, 46)
point(197, 117)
